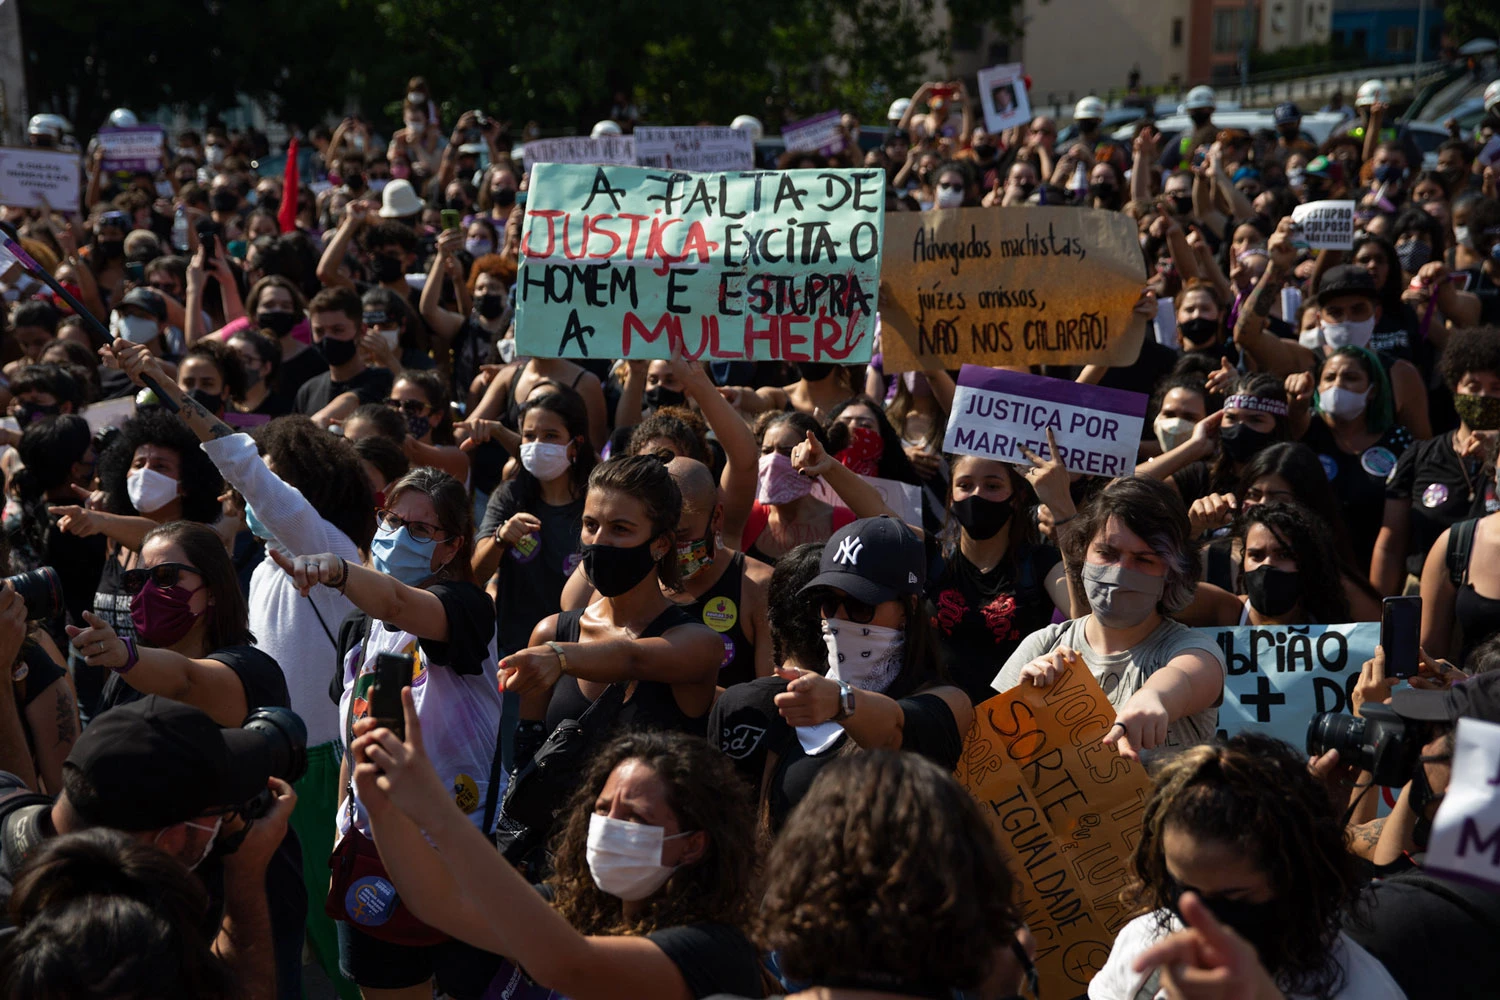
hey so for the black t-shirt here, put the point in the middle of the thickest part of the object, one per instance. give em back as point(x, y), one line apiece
point(1359, 481)
point(1154, 363)
point(1488, 291)
point(990, 611)
point(371, 385)
point(1396, 334)
point(1193, 481)
point(1436, 937)
point(260, 676)
point(298, 369)
point(471, 626)
point(713, 958)
point(35, 541)
point(276, 404)
point(115, 384)
point(1441, 491)
point(532, 574)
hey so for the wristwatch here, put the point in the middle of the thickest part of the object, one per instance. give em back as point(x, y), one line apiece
point(846, 701)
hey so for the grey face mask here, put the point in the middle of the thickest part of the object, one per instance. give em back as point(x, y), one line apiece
point(1120, 597)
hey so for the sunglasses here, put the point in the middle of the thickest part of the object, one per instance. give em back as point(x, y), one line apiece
point(164, 575)
point(420, 530)
point(410, 407)
point(854, 610)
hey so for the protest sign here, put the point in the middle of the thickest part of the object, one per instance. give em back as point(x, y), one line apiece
point(904, 499)
point(618, 149)
point(1002, 92)
point(1465, 842)
point(1067, 810)
point(1020, 287)
point(27, 176)
point(995, 412)
point(628, 262)
point(1326, 225)
point(1490, 153)
point(712, 147)
point(820, 134)
point(138, 147)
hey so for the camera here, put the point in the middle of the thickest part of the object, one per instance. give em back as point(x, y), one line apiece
point(41, 590)
point(285, 746)
point(1378, 741)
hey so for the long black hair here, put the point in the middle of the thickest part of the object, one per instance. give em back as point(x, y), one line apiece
point(568, 406)
point(1298, 464)
point(1305, 536)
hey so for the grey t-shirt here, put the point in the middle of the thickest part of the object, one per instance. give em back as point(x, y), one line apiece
point(1122, 674)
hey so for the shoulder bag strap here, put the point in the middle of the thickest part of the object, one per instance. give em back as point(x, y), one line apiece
point(1460, 543)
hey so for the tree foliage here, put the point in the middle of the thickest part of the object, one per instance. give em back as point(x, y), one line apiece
point(1466, 19)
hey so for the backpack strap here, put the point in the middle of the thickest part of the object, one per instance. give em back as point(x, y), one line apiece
point(1460, 544)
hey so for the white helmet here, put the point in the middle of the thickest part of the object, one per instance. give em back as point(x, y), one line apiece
point(1200, 97)
point(53, 127)
point(605, 127)
point(1089, 107)
point(1492, 96)
point(1372, 92)
point(122, 118)
point(898, 109)
point(751, 124)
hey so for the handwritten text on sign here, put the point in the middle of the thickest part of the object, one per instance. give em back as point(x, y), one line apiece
point(1020, 287)
point(690, 148)
point(1466, 831)
point(1067, 811)
point(630, 262)
point(821, 133)
point(137, 147)
point(996, 412)
point(1326, 225)
point(27, 176)
point(581, 149)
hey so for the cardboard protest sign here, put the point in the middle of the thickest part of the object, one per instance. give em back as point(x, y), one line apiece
point(995, 412)
point(1280, 676)
point(618, 149)
point(1067, 811)
point(687, 148)
point(1022, 286)
point(1002, 92)
point(1326, 225)
point(138, 147)
point(904, 499)
point(818, 134)
point(27, 176)
point(1465, 841)
point(627, 262)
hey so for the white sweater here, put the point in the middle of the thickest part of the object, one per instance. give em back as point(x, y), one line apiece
point(283, 621)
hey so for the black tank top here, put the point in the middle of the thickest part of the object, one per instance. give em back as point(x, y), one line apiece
point(651, 705)
point(721, 610)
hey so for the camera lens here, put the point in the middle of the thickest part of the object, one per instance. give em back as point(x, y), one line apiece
point(286, 741)
point(41, 590)
point(1336, 731)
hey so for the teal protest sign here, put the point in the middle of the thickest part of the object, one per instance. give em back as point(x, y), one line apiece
point(632, 262)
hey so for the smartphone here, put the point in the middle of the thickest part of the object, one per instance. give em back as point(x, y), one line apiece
point(135, 272)
point(392, 673)
point(208, 231)
point(451, 218)
point(1400, 634)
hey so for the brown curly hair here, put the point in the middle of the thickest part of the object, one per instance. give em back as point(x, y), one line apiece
point(677, 424)
point(887, 872)
point(704, 794)
point(1254, 793)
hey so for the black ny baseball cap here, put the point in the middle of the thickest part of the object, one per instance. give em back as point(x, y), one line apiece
point(874, 559)
point(157, 762)
point(1475, 698)
point(1346, 279)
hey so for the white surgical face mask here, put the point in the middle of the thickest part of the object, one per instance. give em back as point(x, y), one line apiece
point(416, 124)
point(208, 846)
point(392, 338)
point(625, 858)
point(864, 656)
point(136, 329)
point(1343, 404)
point(544, 459)
point(1172, 431)
point(1357, 333)
point(150, 490)
point(949, 198)
point(1461, 237)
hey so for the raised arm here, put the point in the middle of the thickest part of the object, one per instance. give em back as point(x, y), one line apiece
point(356, 213)
point(443, 324)
point(741, 456)
point(1270, 352)
point(382, 597)
point(1239, 205)
point(193, 328)
point(629, 409)
point(809, 459)
point(1144, 156)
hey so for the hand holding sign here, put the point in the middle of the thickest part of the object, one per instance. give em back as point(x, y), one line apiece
point(1046, 668)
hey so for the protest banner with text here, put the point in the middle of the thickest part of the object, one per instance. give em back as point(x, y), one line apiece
point(630, 262)
point(996, 412)
point(1326, 225)
point(1465, 841)
point(138, 147)
point(1067, 810)
point(1026, 286)
point(1002, 94)
point(708, 147)
point(819, 134)
point(617, 149)
point(29, 176)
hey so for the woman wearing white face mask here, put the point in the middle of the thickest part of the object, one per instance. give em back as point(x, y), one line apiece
point(652, 879)
point(1180, 401)
point(1130, 554)
point(1355, 436)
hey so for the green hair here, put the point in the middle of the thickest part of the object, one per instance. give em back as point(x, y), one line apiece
point(1380, 410)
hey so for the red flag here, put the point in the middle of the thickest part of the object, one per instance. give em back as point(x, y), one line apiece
point(287, 217)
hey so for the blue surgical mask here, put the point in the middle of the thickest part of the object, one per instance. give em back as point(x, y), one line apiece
point(253, 523)
point(397, 554)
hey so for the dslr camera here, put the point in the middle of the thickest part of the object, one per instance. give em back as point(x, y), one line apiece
point(40, 590)
point(284, 756)
point(1378, 740)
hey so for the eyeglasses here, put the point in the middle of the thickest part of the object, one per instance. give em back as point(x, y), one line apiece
point(164, 575)
point(854, 610)
point(420, 530)
point(410, 407)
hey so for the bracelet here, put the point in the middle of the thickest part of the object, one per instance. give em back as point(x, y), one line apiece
point(344, 576)
point(1058, 524)
point(131, 656)
point(562, 658)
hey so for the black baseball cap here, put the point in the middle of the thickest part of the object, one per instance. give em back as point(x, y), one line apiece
point(157, 762)
point(1286, 112)
point(1346, 279)
point(874, 559)
point(145, 298)
point(1475, 698)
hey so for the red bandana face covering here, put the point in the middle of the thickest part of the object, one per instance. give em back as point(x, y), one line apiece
point(864, 452)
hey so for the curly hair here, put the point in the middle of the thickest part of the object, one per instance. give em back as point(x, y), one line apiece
point(491, 263)
point(1155, 512)
point(1253, 793)
point(704, 794)
point(200, 480)
point(677, 424)
point(1476, 349)
point(887, 871)
point(1308, 540)
point(325, 469)
point(226, 360)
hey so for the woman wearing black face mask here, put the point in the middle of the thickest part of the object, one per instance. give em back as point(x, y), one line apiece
point(1254, 416)
point(820, 385)
point(479, 314)
point(1105, 190)
point(497, 195)
point(1245, 827)
point(105, 255)
point(212, 375)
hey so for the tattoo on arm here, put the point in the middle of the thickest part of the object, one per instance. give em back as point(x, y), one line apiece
point(216, 427)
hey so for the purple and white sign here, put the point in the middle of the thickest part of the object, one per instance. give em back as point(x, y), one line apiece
point(820, 133)
point(138, 147)
point(996, 412)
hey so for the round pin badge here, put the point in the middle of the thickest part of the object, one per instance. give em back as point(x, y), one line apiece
point(1378, 461)
point(370, 901)
point(720, 614)
point(1330, 467)
point(465, 793)
point(1435, 495)
point(728, 652)
point(526, 549)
